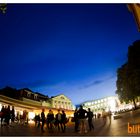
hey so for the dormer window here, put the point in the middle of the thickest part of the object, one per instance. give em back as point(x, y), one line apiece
point(62, 97)
point(35, 96)
point(28, 94)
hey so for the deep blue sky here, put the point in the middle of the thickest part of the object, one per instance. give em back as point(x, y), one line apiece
point(70, 49)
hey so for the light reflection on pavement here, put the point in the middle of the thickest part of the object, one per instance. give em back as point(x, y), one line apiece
point(117, 127)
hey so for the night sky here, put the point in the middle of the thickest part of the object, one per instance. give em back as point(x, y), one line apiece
point(70, 49)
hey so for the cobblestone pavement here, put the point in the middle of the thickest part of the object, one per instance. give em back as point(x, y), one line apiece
point(117, 127)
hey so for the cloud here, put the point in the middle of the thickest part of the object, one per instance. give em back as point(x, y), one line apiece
point(92, 84)
point(96, 82)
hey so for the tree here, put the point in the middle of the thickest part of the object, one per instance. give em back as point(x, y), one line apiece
point(128, 76)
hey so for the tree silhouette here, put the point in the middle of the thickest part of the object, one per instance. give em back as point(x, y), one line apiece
point(128, 76)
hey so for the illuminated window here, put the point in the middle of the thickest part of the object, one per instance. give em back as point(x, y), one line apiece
point(109, 98)
point(95, 102)
point(98, 101)
point(89, 103)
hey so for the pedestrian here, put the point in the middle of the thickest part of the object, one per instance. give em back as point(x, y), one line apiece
point(95, 116)
point(27, 120)
point(35, 119)
point(58, 118)
point(2, 115)
point(109, 116)
point(43, 120)
point(7, 115)
point(18, 117)
point(63, 121)
point(50, 120)
point(38, 120)
point(76, 120)
point(12, 115)
point(104, 116)
point(90, 121)
point(82, 119)
point(24, 117)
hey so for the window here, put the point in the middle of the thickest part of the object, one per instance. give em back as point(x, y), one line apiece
point(35, 96)
point(28, 94)
point(89, 103)
point(62, 97)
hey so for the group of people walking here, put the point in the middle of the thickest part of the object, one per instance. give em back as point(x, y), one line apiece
point(80, 117)
point(52, 121)
point(6, 114)
point(59, 120)
point(83, 117)
point(9, 117)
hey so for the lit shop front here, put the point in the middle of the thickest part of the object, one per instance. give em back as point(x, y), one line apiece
point(32, 107)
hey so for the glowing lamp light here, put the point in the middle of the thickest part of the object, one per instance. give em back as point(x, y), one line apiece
point(130, 107)
point(31, 115)
point(31, 122)
point(21, 112)
point(112, 104)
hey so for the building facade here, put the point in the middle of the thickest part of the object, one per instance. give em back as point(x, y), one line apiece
point(32, 102)
point(108, 103)
point(62, 102)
